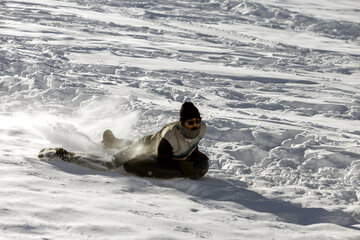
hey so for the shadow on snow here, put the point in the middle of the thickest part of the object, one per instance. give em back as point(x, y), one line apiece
point(222, 190)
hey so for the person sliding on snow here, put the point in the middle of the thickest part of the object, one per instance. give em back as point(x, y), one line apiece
point(169, 153)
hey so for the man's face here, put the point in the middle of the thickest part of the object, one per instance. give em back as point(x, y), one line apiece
point(193, 123)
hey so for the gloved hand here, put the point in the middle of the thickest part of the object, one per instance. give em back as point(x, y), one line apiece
point(194, 169)
point(187, 168)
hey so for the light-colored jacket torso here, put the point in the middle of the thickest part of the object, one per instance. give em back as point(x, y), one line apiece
point(181, 147)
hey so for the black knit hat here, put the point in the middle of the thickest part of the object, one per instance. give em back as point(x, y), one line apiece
point(188, 111)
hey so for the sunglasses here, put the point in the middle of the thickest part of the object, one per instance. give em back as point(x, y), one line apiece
point(193, 122)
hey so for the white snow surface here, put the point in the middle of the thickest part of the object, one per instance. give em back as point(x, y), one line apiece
point(277, 83)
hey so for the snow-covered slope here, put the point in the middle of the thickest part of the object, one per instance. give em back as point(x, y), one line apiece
point(277, 83)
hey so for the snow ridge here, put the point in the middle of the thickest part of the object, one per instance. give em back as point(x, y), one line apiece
point(280, 18)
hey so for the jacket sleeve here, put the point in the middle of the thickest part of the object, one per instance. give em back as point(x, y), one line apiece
point(164, 152)
point(196, 154)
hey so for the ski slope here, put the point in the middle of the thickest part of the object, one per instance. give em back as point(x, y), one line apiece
point(277, 83)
